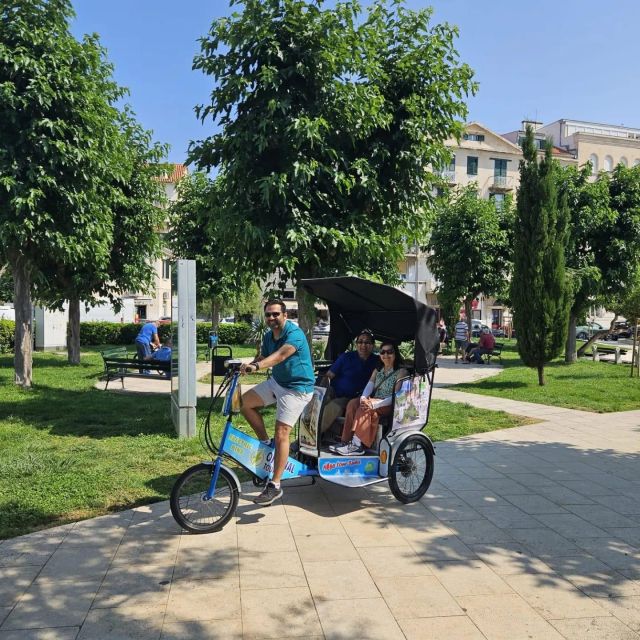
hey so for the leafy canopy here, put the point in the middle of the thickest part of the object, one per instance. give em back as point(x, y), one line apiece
point(329, 119)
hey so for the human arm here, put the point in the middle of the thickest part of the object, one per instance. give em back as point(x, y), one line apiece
point(386, 402)
point(155, 340)
point(365, 400)
point(264, 362)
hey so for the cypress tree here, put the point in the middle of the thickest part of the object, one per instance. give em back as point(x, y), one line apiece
point(539, 288)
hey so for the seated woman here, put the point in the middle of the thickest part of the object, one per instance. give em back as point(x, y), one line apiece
point(363, 413)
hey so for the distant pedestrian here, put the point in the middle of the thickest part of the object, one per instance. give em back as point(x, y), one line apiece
point(461, 337)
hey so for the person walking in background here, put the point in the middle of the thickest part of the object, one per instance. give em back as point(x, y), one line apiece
point(147, 337)
point(461, 337)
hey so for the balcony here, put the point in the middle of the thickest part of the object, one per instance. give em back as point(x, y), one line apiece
point(501, 184)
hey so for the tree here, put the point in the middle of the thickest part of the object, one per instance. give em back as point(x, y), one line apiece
point(540, 293)
point(137, 217)
point(328, 122)
point(468, 249)
point(194, 219)
point(60, 151)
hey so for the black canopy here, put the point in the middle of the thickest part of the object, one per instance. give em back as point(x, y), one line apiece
point(356, 304)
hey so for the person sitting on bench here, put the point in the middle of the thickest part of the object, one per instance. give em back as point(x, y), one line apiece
point(485, 345)
point(162, 355)
point(348, 376)
point(363, 413)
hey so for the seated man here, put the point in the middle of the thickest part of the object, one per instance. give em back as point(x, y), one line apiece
point(162, 356)
point(485, 345)
point(348, 376)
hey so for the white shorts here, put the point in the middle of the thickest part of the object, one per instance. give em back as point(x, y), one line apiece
point(289, 402)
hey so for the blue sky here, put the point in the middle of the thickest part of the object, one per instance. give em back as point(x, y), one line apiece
point(538, 59)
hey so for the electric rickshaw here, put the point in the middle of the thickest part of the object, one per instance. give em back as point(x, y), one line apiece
point(205, 496)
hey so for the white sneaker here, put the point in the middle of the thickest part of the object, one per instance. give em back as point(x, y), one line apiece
point(350, 449)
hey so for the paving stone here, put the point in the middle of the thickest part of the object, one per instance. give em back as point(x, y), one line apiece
point(544, 542)
point(417, 597)
point(469, 578)
point(481, 498)
point(295, 617)
point(269, 537)
point(132, 586)
point(600, 516)
point(612, 551)
point(56, 633)
point(367, 618)
point(533, 504)
point(507, 617)
point(478, 531)
point(553, 597)
point(393, 562)
point(316, 548)
point(571, 526)
point(52, 603)
point(339, 580)
point(275, 570)
point(208, 564)
point(625, 609)
point(508, 517)
point(445, 628)
point(509, 558)
point(600, 628)
point(202, 630)
point(14, 581)
point(625, 505)
point(202, 600)
point(123, 623)
point(78, 564)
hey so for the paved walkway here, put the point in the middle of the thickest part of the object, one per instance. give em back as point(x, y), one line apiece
point(531, 532)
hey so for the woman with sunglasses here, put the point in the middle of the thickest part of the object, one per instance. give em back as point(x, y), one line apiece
point(363, 413)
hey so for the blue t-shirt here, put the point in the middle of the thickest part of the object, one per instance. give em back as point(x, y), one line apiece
point(146, 333)
point(296, 372)
point(352, 373)
point(163, 354)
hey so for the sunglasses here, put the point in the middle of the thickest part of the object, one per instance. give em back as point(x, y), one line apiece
point(272, 314)
point(363, 342)
point(386, 352)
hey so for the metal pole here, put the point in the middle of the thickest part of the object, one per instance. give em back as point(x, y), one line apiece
point(633, 349)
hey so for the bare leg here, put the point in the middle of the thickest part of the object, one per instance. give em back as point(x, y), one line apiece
point(282, 450)
point(251, 401)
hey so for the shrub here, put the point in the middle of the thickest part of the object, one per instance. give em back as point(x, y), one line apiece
point(7, 332)
point(95, 333)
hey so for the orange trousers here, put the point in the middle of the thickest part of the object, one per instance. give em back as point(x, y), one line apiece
point(362, 422)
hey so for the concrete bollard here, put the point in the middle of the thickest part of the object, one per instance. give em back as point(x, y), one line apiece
point(595, 354)
point(618, 355)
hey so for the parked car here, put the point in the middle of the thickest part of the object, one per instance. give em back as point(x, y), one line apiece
point(621, 329)
point(584, 332)
point(228, 320)
point(321, 329)
point(477, 327)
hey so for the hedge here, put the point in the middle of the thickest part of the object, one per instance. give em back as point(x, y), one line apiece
point(7, 332)
point(95, 333)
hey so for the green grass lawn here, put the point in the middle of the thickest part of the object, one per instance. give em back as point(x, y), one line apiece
point(591, 386)
point(69, 451)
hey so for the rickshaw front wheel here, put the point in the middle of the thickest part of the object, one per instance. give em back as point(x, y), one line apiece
point(191, 507)
point(412, 469)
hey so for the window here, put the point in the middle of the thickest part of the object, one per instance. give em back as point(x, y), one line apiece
point(608, 163)
point(539, 143)
point(636, 162)
point(472, 166)
point(166, 269)
point(498, 200)
point(499, 168)
point(473, 137)
point(624, 161)
point(452, 164)
point(593, 159)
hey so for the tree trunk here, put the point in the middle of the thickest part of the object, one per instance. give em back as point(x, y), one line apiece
point(215, 314)
point(570, 355)
point(467, 313)
point(306, 312)
point(73, 332)
point(541, 375)
point(23, 360)
point(594, 338)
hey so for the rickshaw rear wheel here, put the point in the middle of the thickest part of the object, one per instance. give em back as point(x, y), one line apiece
point(190, 506)
point(412, 469)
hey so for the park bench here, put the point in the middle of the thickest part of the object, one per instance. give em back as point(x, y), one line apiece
point(121, 366)
point(495, 353)
point(599, 349)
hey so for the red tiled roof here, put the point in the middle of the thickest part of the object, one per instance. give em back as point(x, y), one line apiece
point(179, 172)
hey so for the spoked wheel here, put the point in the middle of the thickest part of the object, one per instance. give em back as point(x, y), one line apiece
point(412, 469)
point(190, 506)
